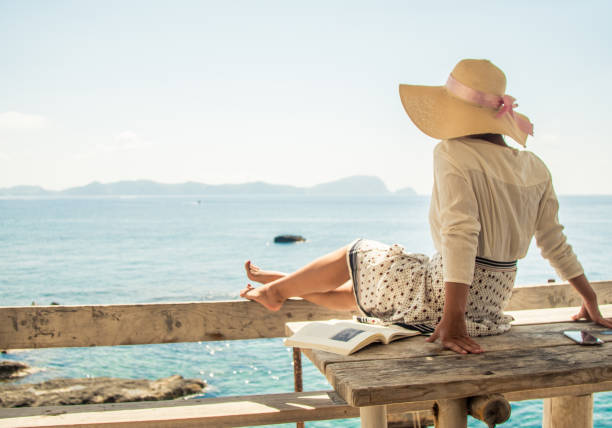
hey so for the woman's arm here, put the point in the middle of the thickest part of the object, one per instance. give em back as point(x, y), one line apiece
point(553, 244)
point(551, 239)
point(456, 220)
point(590, 309)
point(452, 330)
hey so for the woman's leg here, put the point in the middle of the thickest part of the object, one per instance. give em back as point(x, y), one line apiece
point(320, 276)
point(339, 299)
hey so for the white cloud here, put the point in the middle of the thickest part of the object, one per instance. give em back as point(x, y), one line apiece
point(13, 120)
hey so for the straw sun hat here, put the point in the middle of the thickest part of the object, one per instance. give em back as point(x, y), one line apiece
point(473, 101)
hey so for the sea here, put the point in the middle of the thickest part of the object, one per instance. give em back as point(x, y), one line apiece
point(111, 250)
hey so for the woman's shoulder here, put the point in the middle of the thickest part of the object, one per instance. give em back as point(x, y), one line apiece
point(472, 154)
point(535, 161)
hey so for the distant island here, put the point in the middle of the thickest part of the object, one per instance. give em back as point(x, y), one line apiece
point(355, 185)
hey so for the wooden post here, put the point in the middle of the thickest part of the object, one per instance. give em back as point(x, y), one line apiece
point(297, 376)
point(412, 419)
point(373, 416)
point(451, 413)
point(492, 409)
point(568, 412)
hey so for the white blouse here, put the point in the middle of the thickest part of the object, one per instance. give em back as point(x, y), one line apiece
point(489, 201)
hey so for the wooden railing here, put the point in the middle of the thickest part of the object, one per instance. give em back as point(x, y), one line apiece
point(112, 325)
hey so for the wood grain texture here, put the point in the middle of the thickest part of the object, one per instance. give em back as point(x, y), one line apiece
point(373, 416)
point(226, 411)
point(172, 412)
point(368, 383)
point(451, 413)
point(221, 411)
point(520, 337)
point(568, 412)
point(555, 295)
point(536, 394)
point(492, 409)
point(109, 325)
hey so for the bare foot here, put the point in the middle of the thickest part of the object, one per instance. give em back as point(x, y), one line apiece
point(264, 296)
point(262, 276)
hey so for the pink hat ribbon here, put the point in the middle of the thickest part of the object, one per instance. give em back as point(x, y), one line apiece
point(504, 104)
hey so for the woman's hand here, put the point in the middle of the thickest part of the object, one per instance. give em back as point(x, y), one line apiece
point(453, 335)
point(451, 329)
point(590, 311)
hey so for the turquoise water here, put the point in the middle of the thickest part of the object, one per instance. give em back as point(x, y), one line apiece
point(156, 249)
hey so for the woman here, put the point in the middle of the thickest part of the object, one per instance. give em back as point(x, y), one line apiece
point(489, 200)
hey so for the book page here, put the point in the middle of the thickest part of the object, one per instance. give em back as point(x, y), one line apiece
point(341, 336)
point(338, 338)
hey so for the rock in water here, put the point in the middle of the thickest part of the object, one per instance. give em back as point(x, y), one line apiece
point(282, 239)
point(13, 369)
point(97, 390)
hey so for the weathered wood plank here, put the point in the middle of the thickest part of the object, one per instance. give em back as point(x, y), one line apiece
point(226, 411)
point(109, 325)
point(373, 416)
point(568, 412)
point(221, 411)
point(451, 413)
point(519, 337)
point(574, 390)
point(370, 383)
point(551, 315)
point(555, 295)
point(210, 407)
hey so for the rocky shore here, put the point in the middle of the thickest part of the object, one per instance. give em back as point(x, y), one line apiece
point(91, 390)
point(14, 369)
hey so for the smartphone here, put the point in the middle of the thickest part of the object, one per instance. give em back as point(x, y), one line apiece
point(583, 337)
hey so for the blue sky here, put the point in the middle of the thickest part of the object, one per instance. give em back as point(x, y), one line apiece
point(285, 91)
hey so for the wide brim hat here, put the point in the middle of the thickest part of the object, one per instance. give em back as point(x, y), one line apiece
point(473, 101)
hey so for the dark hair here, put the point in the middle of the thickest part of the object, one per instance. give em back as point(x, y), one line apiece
point(491, 138)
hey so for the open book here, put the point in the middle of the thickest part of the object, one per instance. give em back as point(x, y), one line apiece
point(342, 336)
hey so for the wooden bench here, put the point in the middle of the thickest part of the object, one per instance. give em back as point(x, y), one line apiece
point(111, 325)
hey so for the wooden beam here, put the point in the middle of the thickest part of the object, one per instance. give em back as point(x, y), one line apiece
point(492, 409)
point(451, 413)
point(568, 412)
point(218, 412)
point(555, 295)
point(221, 412)
point(573, 390)
point(262, 409)
point(373, 416)
point(371, 383)
point(109, 325)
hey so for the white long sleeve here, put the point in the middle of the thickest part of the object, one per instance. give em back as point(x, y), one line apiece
point(552, 241)
point(489, 201)
point(458, 226)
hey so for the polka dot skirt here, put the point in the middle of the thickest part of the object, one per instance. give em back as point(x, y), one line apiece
point(400, 287)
